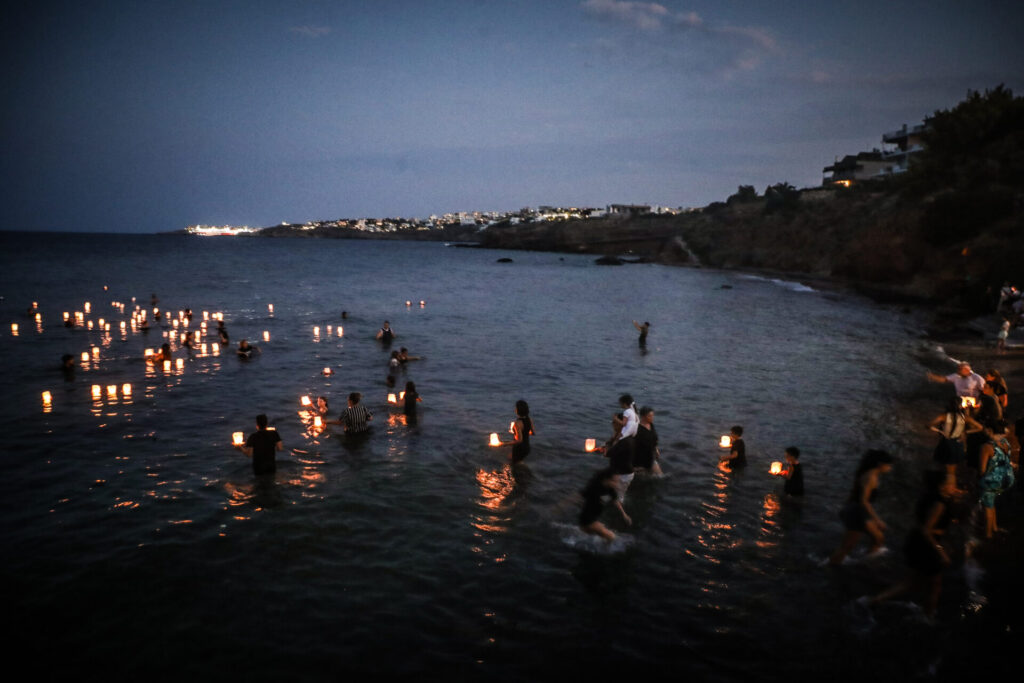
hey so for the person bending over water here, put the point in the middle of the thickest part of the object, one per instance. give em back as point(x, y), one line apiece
point(261, 446)
point(858, 514)
point(522, 430)
point(600, 487)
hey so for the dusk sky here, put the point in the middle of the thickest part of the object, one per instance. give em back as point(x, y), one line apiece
point(150, 116)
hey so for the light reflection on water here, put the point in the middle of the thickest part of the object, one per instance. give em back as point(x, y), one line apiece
point(431, 502)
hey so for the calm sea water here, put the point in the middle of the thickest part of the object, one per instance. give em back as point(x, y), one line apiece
point(137, 544)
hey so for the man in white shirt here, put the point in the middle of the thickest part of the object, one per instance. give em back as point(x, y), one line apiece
point(966, 382)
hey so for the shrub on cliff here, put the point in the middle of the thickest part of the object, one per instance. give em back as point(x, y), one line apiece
point(959, 215)
point(780, 197)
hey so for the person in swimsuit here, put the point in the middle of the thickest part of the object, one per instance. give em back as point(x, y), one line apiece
point(858, 514)
point(522, 430)
point(952, 426)
point(997, 472)
point(600, 487)
point(385, 334)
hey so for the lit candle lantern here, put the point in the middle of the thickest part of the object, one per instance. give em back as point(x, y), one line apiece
point(124, 325)
point(95, 351)
point(66, 316)
point(102, 322)
point(174, 323)
point(88, 325)
point(85, 356)
point(87, 307)
point(341, 331)
point(968, 401)
point(238, 438)
point(167, 366)
point(306, 401)
point(328, 371)
point(202, 349)
point(106, 328)
point(181, 314)
point(96, 391)
point(46, 398)
point(725, 442)
point(215, 347)
point(401, 395)
point(776, 468)
point(206, 315)
point(35, 304)
point(329, 330)
point(591, 445)
point(126, 389)
point(14, 328)
point(270, 308)
point(422, 303)
point(408, 303)
point(180, 363)
point(318, 422)
point(494, 439)
point(316, 331)
point(266, 335)
point(147, 353)
point(39, 317)
point(111, 391)
point(392, 399)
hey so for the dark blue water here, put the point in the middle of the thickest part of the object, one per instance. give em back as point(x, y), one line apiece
point(136, 542)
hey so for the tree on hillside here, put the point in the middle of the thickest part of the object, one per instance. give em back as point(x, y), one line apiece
point(780, 197)
point(744, 194)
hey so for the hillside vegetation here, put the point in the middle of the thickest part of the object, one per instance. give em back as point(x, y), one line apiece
point(948, 230)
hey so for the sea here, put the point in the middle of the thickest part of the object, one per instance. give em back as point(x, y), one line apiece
point(138, 545)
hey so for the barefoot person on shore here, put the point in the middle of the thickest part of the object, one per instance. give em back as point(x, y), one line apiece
point(997, 472)
point(952, 426)
point(858, 514)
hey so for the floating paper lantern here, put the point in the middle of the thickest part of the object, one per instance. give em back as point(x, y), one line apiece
point(96, 391)
point(318, 421)
point(14, 328)
point(206, 315)
point(102, 322)
point(126, 390)
point(106, 328)
point(328, 330)
point(39, 317)
point(401, 395)
point(88, 307)
point(124, 325)
point(328, 371)
point(316, 330)
point(266, 335)
point(148, 353)
point(392, 399)
point(341, 331)
point(590, 446)
point(216, 348)
point(180, 363)
point(46, 398)
point(95, 351)
point(408, 303)
point(422, 303)
point(270, 309)
point(202, 349)
point(238, 438)
point(66, 316)
point(725, 442)
point(167, 366)
point(88, 325)
point(776, 468)
point(111, 391)
point(85, 356)
point(494, 439)
point(174, 323)
point(306, 401)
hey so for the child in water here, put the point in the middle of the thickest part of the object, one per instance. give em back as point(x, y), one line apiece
point(600, 486)
point(793, 473)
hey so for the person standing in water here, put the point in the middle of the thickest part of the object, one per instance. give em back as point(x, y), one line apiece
point(736, 458)
point(643, 329)
point(522, 430)
point(647, 455)
point(858, 514)
point(385, 334)
point(410, 399)
point(600, 487)
point(261, 447)
point(355, 417)
point(793, 474)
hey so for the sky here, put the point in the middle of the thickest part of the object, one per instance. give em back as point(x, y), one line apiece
point(148, 116)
